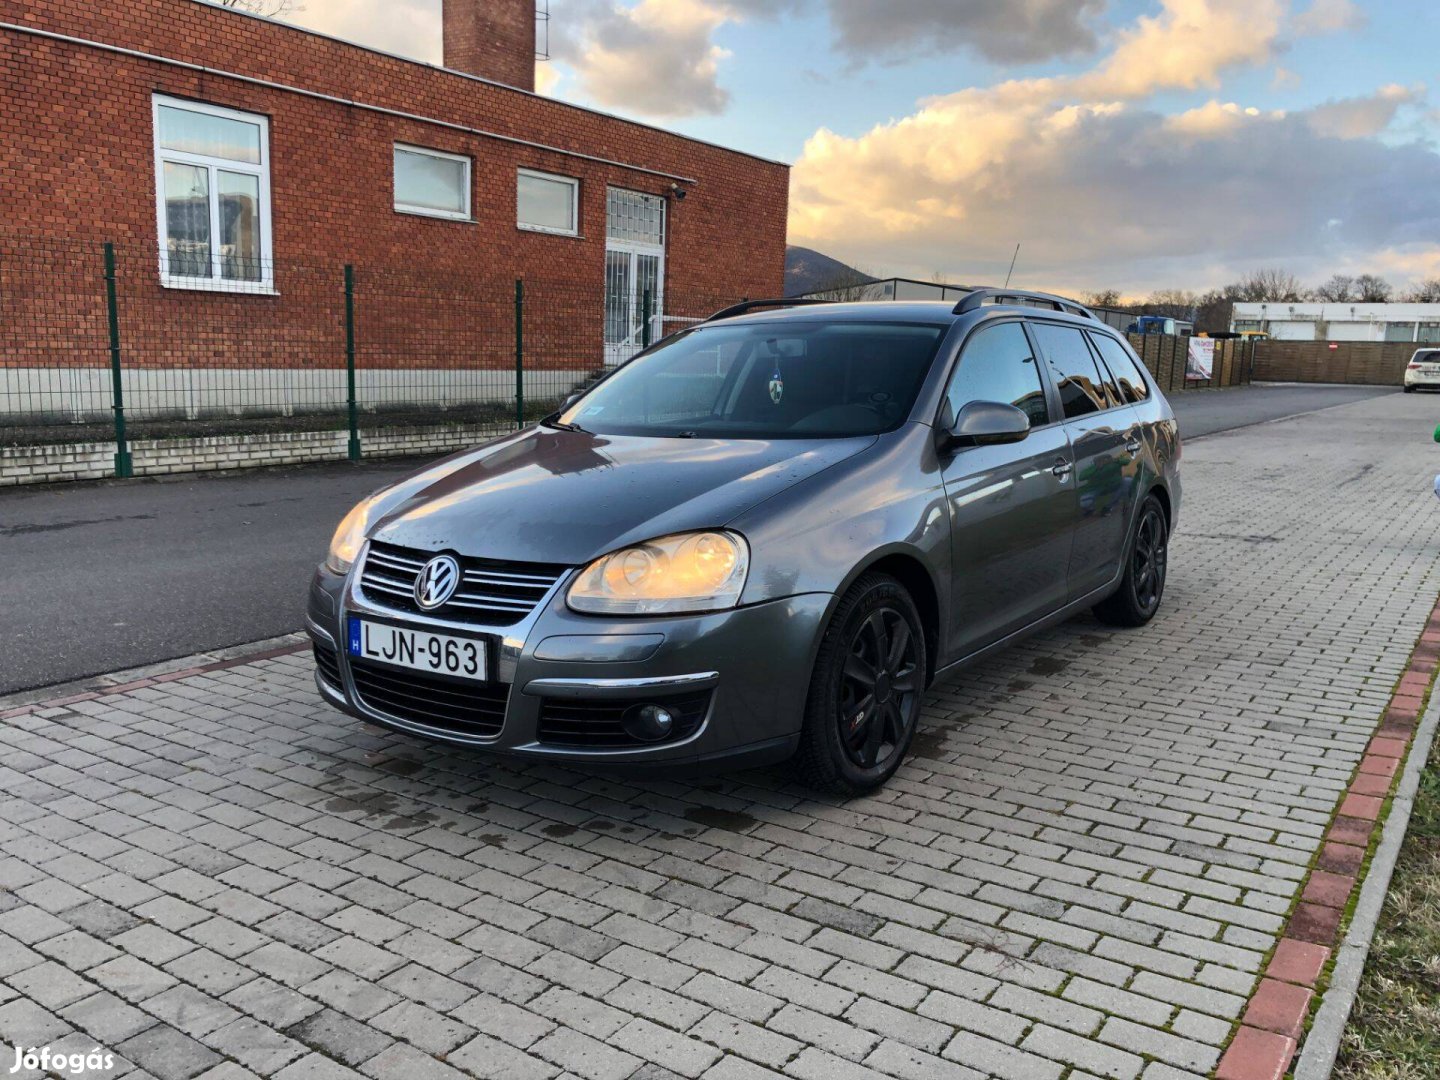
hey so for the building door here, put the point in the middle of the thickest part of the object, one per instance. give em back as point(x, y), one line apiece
point(634, 272)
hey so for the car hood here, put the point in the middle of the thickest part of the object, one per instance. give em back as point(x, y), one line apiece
point(552, 496)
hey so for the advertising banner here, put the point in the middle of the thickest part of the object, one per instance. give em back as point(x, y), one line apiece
point(1200, 361)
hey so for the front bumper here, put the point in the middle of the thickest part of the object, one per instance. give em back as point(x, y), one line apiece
point(754, 664)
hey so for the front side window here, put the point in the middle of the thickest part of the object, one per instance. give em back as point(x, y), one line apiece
point(999, 365)
point(1073, 366)
point(212, 168)
point(791, 380)
point(432, 183)
point(547, 203)
point(1123, 366)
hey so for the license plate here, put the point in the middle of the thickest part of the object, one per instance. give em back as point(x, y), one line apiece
point(439, 654)
point(1431, 369)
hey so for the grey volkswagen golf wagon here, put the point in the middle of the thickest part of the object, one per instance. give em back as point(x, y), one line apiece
point(760, 539)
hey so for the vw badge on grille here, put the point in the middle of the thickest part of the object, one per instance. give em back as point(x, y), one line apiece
point(437, 582)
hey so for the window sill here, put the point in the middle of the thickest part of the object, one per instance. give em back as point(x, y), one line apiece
point(242, 288)
point(436, 215)
point(549, 232)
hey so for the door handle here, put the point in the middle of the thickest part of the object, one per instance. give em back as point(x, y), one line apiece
point(1063, 469)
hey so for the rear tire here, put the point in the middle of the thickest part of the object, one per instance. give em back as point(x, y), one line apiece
point(865, 691)
point(1146, 558)
point(1409, 389)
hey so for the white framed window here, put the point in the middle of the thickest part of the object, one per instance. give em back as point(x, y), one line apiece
point(212, 197)
point(432, 183)
point(547, 203)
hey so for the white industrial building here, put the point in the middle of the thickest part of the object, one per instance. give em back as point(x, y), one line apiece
point(1344, 321)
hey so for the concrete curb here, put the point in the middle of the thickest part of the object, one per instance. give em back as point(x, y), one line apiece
point(131, 678)
point(1322, 1045)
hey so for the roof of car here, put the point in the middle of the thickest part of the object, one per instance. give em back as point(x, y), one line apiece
point(926, 311)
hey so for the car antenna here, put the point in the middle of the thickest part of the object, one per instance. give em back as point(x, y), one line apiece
point(1012, 265)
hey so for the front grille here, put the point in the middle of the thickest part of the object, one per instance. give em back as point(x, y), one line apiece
point(455, 705)
point(328, 666)
point(597, 725)
point(491, 593)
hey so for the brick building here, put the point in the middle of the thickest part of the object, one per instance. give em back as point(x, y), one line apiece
point(237, 164)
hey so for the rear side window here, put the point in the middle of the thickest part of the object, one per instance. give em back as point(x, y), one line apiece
point(999, 365)
point(1123, 366)
point(1073, 366)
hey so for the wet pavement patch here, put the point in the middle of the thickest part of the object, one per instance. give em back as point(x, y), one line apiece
point(714, 818)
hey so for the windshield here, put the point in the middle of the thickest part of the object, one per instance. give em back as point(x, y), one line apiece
point(766, 381)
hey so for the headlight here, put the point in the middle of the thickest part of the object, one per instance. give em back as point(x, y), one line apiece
point(349, 538)
point(703, 571)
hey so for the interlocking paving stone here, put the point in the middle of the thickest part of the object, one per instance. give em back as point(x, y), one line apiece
point(1080, 872)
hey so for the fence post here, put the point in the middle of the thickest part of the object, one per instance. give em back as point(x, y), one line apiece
point(519, 353)
point(645, 311)
point(124, 467)
point(350, 401)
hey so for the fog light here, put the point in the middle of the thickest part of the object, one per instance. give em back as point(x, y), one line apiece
point(648, 723)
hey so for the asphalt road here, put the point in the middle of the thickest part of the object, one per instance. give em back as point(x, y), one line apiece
point(98, 577)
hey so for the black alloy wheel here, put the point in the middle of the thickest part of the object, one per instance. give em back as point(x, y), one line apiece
point(1149, 558)
point(865, 691)
point(878, 689)
point(1142, 585)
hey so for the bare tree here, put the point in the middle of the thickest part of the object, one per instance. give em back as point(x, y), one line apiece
point(271, 9)
point(1424, 292)
point(1338, 290)
point(1373, 289)
point(847, 284)
point(1103, 298)
point(1172, 304)
point(1214, 310)
point(1269, 285)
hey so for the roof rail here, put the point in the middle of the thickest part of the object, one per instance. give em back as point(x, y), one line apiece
point(747, 306)
point(979, 296)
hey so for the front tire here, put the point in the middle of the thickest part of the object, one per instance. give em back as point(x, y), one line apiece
point(865, 691)
point(1146, 559)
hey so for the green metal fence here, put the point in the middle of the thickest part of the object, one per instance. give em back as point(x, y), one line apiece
point(96, 348)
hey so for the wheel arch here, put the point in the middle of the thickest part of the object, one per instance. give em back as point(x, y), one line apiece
point(1163, 497)
point(909, 569)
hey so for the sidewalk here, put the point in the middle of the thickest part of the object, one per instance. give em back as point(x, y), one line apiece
point(1082, 872)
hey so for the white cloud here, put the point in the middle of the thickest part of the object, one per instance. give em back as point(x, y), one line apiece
point(1213, 118)
point(1363, 117)
point(656, 58)
point(1103, 191)
point(1329, 17)
point(1014, 31)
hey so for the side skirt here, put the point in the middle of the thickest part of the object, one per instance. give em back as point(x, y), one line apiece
point(1056, 617)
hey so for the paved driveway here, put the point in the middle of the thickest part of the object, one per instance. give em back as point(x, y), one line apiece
point(1079, 874)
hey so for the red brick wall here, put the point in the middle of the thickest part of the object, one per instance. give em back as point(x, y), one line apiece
point(494, 39)
point(76, 164)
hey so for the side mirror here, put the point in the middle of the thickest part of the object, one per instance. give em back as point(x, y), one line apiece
point(987, 423)
point(571, 400)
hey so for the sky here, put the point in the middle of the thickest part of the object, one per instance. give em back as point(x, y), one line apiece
point(1128, 144)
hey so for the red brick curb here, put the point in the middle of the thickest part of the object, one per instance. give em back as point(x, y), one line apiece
point(155, 680)
point(1268, 1037)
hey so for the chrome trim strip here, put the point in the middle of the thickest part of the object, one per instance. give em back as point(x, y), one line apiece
point(315, 630)
point(619, 688)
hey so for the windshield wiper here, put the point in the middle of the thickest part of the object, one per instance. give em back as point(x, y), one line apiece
point(554, 421)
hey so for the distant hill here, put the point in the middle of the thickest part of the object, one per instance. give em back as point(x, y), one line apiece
point(807, 270)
